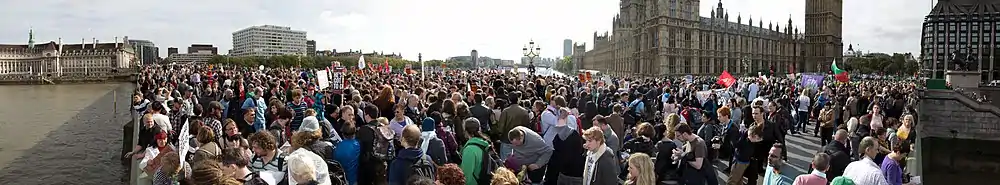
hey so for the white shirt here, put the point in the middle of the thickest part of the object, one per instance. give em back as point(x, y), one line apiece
point(163, 121)
point(753, 90)
point(803, 103)
point(865, 172)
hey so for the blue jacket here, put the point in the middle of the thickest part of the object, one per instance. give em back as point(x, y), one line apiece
point(346, 154)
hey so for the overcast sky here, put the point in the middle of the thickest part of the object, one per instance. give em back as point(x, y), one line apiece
point(436, 28)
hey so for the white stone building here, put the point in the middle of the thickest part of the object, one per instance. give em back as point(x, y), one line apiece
point(268, 40)
point(57, 60)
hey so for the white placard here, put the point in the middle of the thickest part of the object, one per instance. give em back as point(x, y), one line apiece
point(272, 177)
point(322, 79)
point(703, 96)
point(183, 141)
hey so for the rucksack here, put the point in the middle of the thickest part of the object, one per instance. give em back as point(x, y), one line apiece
point(383, 150)
point(490, 162)
point(337, 173)
point(255, 178)
point(423, 167)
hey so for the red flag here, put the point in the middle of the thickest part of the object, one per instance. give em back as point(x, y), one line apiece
point(385, 66)
point(842, 77)
point(726, 79)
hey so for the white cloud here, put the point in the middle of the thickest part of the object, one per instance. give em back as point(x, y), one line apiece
point(352, 20)
point(436, 28)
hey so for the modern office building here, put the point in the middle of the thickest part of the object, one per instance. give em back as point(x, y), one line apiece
point(55, 59)
point(311, 47)
point(203, 48)
point(475, 58)
point(268, 40)
point(146, 51)
point(567, 48)
point(960, 31)
point(670, 38)
point(171, 51)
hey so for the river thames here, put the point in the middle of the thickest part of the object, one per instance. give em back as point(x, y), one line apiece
point(62, 134)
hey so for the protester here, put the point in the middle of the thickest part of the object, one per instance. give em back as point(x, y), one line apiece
point(450, 174)
point(640, 170)
point(601, 167)
point(530, 151)
point(474, 153)
point(410, 161)
point(818, 176)
point(346, 153)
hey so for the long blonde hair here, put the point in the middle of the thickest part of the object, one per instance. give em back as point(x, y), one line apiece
point(644, 165)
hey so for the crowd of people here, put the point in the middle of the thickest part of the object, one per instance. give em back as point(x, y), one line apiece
point(237, 125)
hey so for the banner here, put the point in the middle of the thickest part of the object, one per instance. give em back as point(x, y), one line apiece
point(183, 141)
point(703, 96)
point(812, 81)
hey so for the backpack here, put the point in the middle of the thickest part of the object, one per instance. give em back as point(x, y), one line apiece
point(423, 167)
point(337, 173)
point(384, 150)
point(490, 162)
point(255, 178)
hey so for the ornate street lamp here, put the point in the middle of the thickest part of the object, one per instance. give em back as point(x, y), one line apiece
point(531, 51)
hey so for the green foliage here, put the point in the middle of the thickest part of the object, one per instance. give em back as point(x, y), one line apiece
point(895, 64)
point(286, 61)
point(565, 65)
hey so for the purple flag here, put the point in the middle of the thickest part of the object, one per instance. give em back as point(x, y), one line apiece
point(812, 81)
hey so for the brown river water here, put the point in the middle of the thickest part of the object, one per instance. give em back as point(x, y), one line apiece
point(62, 134)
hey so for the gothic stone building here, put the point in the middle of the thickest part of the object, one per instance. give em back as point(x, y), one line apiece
point(56, 60)
point(655, 38)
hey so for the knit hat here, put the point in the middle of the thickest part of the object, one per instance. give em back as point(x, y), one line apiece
point(309, 124)
point(842, 181)
point(428, 124)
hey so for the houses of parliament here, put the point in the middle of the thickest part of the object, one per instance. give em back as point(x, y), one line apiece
point(669, 37)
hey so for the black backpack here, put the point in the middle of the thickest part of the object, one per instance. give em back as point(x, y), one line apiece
point(338, 176)
point(256, 180)
point(423, 167)
point(490, 162)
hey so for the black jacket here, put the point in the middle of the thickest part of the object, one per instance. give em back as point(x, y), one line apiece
point(840, 157)
point(483, 114)
point(664, 166)
point(568, 157)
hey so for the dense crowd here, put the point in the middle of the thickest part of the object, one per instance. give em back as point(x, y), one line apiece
point(215, 125)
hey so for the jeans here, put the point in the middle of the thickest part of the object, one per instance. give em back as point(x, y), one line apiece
point(803, 118)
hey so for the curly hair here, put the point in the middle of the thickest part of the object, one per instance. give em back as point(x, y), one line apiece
point(264, 140)
point(503, 176)
point(450, 174)
point(303, 139)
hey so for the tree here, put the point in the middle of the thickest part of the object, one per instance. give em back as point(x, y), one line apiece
point(882, 63)
point(565, 65)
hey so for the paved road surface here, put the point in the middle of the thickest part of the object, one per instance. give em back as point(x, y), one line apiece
point(801, 149)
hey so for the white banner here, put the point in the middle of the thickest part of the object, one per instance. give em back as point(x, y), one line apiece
point(183, 141)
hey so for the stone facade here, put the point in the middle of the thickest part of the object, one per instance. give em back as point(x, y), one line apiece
point(823, 34)
point(654, 38)
point(955, 134)
point(58, 60)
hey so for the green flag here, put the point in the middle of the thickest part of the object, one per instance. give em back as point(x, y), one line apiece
point(836, 70)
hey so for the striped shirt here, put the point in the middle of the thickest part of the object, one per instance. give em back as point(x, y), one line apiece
point(277, 164)
point(300, 111)
point(865, 172)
